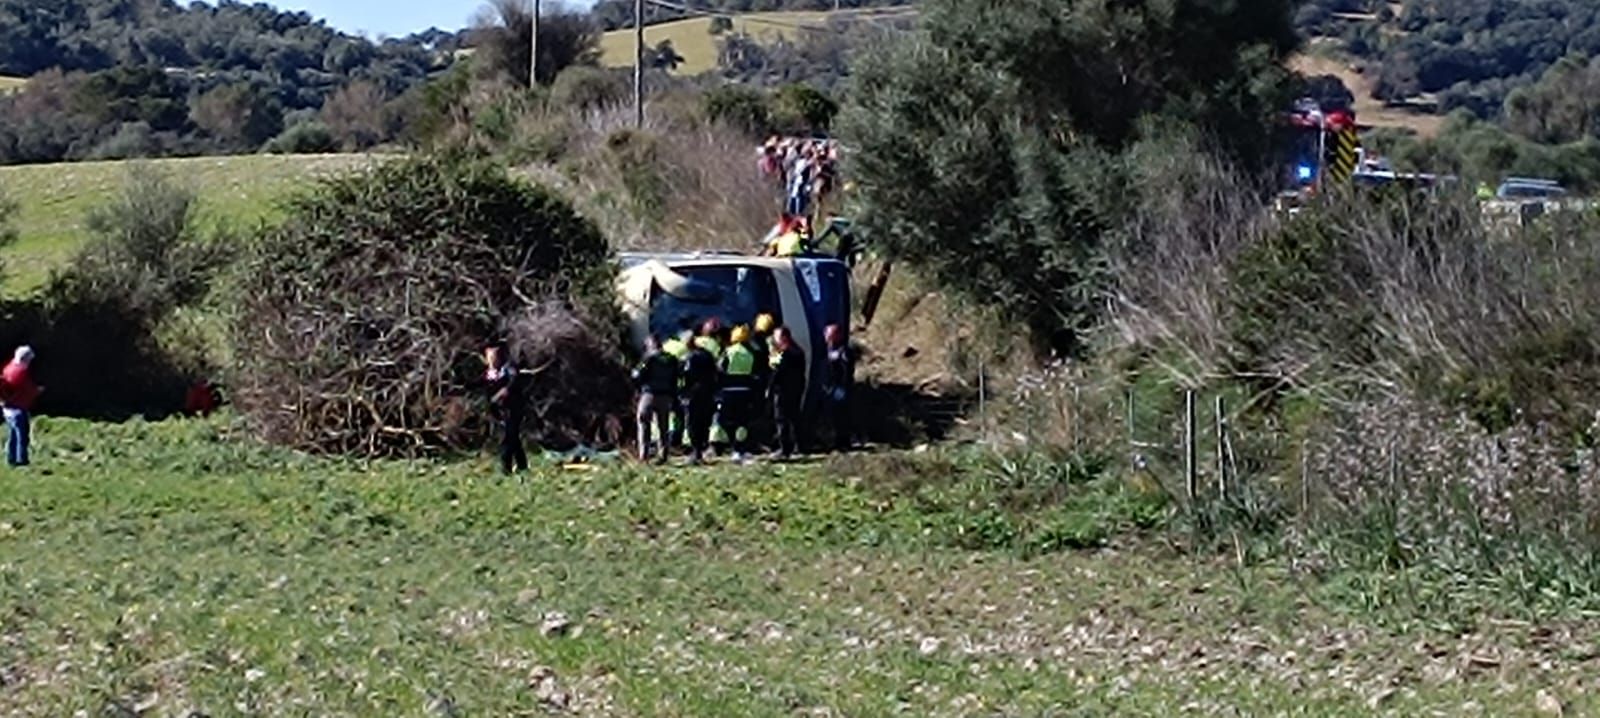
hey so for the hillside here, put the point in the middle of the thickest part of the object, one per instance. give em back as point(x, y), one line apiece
point(235, 191)
point(693, 40)
point(1369, 109)
point(113, 79)
point(9, 83)
point(1459, 55)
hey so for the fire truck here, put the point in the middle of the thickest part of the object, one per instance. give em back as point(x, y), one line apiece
point(1324, 145)
point(1325, 151)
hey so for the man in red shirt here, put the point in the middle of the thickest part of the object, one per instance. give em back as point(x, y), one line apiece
point(18, 393)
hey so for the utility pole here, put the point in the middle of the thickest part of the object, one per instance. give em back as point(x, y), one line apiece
point(1322, 147)
point(533, 49)
point(638, 63)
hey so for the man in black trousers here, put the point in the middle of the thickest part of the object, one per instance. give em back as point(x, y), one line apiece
point(787, 390)
point(701, 383)
point(507, 403)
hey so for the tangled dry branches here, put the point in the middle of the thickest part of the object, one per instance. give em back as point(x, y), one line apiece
point(359, 322)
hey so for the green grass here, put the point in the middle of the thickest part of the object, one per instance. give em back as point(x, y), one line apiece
point(693, 40)
point(169, 568)
point(237, 191)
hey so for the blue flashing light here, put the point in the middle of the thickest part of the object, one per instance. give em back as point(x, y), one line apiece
point(1304, 173)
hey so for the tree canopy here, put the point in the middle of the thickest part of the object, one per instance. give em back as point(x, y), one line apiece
point(154, 77)
point(1466, 54)
point(988, 143)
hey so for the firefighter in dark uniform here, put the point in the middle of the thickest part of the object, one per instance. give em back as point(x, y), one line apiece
point(787, 391)
point(701, 380)
point(657, 380)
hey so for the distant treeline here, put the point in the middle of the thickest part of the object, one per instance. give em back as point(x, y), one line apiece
point(116, 78)
point(1465, 54)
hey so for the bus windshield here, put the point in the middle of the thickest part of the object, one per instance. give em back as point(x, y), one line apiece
point(735, 295)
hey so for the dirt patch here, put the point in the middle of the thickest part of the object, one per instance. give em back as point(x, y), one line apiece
point(1369, 110)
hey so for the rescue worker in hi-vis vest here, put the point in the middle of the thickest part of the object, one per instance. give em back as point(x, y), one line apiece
point(678, 348)
point(738, 392)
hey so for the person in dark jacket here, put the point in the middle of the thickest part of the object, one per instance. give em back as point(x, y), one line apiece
point(507, 403)
point(839, 387)
point(787, 390)
point(701, 381)
point(760, 344)
point(657, 380)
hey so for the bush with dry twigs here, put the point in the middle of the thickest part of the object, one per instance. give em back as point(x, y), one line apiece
point(1365, 294)
point(1422, 372)
point(358, 322)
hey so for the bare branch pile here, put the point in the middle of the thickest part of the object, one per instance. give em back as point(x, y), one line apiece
point(579, 393)
point(360, 320)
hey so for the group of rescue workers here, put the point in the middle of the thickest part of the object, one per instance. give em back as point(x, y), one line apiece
point(806, 172)
point(709, 387)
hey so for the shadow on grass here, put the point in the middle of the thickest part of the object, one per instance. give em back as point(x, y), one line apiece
point(95, 362)
point(902, 416)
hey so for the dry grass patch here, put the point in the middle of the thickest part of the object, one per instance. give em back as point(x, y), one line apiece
point(1369, 110)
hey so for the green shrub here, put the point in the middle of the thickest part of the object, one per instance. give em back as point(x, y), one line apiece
point(102, 326)
point(636, 159)
point(738, 106)
point(803, 109)
point(306, 138)
point(583, 87)
point(1287, 291)
point(132, 140)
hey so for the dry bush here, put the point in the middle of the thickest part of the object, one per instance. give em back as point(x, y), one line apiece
point(1193, 216)
point(581, 392)
point(672, 185)
point(1442, 489)
point(1366, 291)
point(358, 323)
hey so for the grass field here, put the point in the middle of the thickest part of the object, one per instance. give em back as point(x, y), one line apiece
point(170, 570)
point(693, 40)
point(54, 199)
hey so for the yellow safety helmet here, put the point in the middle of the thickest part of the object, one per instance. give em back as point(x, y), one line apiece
point(740, 335)
point(765, 324)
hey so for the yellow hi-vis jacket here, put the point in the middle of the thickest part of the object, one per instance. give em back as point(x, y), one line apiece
point(709, 344)
point(789, 244)
point(739, 364)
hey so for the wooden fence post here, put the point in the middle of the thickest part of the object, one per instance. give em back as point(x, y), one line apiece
point(1222, 449)
point(1191, 454)
point(1305, 482)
